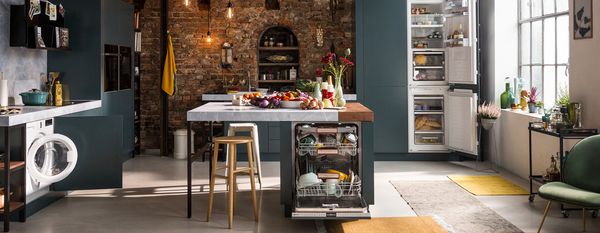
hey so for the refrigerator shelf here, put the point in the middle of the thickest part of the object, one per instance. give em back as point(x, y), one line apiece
point(429, 132)
point(429, 112)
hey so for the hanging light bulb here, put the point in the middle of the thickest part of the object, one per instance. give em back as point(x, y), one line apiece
point(187, 2)
point(208, 38)
point(229, 10)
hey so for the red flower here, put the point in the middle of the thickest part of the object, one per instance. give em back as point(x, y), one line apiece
point(328, 59)
point(319, 72)
point(346, 61)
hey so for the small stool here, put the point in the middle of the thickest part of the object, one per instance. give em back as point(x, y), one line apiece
point(232, 171)
point(253, 130)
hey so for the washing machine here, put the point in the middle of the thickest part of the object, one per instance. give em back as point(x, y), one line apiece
point(50, 158)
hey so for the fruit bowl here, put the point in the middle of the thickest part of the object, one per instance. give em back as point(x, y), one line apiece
point(291, 104)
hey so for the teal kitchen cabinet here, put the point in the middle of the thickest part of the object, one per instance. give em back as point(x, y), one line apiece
point(382, 84)
point(94, 24)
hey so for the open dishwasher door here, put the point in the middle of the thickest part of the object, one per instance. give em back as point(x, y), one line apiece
point(327, 172)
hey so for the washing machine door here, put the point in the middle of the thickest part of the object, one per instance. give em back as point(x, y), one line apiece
point(51, 158)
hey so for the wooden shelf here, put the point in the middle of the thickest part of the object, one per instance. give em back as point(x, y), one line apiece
point(54, 49)
point(278, 64)
point(14, 206)
point(13, 165)
point(277, 48)
point(276, 81)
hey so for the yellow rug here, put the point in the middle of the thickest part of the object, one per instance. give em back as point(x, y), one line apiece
point(488, 185)
point(422, 224)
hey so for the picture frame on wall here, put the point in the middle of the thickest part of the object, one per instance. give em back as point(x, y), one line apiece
point(582, 19)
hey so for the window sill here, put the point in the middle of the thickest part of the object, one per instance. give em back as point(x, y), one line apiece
point(521, 112)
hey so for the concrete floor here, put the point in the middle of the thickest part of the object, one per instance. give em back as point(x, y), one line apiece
point(153, 200)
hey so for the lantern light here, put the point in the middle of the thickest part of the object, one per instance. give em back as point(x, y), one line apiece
point(229, 10)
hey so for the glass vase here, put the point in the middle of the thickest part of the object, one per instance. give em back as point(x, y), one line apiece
point(506, 99)
point(339, 93)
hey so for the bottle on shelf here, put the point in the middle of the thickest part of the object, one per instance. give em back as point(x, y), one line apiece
point(293, 73)
point(506, 98)
point(58, 101)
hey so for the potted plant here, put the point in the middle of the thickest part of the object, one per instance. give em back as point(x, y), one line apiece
point(532, 100)
point(488, 113)
point(540, 107)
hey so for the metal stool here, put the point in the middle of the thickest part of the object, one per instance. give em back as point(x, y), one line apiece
point(232, 171)
point(253, 130)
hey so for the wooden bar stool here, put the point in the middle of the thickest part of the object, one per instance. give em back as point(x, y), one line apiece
point(232, 171)
point(251, 128)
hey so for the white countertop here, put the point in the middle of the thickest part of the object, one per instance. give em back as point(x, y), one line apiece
point(228, 97)
point(225, 111)
point(37, 113)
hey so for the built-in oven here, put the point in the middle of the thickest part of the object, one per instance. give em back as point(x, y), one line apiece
point(327, 172)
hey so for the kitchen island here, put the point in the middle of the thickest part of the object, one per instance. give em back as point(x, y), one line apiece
point(355, 113)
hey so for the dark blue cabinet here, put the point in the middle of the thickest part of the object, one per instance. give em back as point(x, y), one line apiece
point(93, 24)
point(381, 48)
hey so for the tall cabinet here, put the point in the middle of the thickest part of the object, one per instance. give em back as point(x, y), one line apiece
point(96, 28)
point(381, 72)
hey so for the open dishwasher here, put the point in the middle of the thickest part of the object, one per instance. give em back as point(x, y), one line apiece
point(327, 172)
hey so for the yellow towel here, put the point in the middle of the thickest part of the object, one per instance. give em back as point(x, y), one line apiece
point(168, 77)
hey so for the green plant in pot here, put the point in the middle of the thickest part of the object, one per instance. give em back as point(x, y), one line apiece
point(532, 100)
point(540, 107)
point(488, 113)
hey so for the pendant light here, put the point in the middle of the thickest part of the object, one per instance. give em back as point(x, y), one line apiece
point(208, 38)
point(187, 2)
point(208, 35)
point(229, 10)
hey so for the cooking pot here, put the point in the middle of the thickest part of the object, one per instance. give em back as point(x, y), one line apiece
point(34, 97)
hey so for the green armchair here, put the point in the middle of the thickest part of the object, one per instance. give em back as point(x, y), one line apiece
point(580, 184)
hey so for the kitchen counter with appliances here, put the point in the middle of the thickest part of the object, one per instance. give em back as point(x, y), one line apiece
point(37, 113)
point(35, 154)
point(326, 157)
point(228, 97)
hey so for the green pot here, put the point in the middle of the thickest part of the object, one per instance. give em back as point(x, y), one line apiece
point(34, 97)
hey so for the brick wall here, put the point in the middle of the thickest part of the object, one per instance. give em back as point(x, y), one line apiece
point(198, 62)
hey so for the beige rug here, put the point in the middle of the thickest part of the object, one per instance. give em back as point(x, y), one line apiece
point(423, 224)
point(453, 206)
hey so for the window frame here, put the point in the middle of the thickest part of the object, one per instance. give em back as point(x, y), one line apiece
point(530, 65)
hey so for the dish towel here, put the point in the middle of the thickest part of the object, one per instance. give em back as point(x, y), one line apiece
point(168, 77)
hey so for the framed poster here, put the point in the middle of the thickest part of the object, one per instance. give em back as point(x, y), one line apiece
point(582, 19)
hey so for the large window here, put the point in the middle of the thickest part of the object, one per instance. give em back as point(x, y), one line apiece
point(544, 47)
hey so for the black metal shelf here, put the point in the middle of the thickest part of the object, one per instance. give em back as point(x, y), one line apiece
point(561, 135)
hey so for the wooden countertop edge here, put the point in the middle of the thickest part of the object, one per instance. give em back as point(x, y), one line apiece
point(356, 112)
